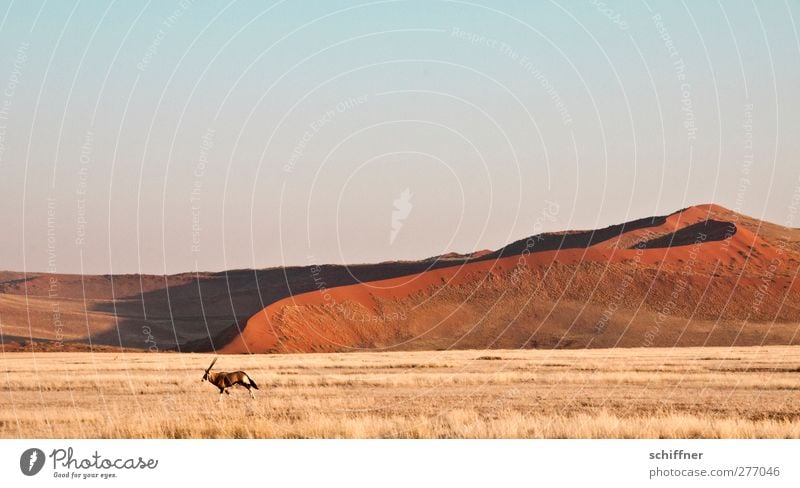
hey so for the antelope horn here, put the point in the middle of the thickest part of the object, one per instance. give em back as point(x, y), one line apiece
point(211, 365)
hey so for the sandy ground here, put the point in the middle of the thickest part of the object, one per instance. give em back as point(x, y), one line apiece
point(685, 392)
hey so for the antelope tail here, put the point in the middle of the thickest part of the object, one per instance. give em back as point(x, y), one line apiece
point(252, 383)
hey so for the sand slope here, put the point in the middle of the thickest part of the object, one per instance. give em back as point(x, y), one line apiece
point(193, 311)
point(703, 275)
point(700, 276)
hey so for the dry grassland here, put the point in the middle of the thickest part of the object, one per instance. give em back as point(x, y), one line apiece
point(629, 393)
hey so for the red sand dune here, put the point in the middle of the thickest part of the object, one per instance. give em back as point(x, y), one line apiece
point(701, 276)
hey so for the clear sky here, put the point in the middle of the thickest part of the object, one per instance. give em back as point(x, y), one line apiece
point(163, 137)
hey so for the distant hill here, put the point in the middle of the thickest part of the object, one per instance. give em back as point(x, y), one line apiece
point(701, 276)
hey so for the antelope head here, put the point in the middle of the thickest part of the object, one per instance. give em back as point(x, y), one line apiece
point(208, 370)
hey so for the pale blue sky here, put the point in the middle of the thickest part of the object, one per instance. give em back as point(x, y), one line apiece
point(208, 135)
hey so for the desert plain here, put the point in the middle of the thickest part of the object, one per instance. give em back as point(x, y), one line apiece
point(702, 392)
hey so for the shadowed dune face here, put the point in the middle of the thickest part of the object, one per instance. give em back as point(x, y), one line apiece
point(700, 276)
point(129, 311)
point(705, 231)
point(575, 240)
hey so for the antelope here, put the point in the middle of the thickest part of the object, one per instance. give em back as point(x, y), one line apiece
point(223, 381)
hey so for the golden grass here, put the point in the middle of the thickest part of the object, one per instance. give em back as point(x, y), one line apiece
point(629, 393)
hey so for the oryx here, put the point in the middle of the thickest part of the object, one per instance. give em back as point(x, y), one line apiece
point(223, 381)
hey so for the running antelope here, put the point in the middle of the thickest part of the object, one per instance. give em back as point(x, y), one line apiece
point(223, 381)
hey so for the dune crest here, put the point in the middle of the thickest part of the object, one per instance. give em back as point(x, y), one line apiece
point(703, 275)
point(700, 276)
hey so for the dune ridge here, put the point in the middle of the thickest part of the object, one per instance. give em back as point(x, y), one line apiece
point(700, 276)
point(703, 275)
